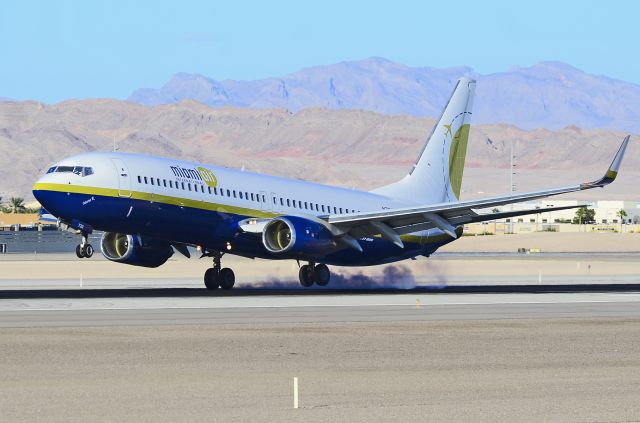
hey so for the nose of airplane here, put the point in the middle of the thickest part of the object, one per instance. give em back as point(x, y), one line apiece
point(38, 191)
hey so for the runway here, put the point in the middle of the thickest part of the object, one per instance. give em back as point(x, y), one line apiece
point(119, 309)
point(496, 346)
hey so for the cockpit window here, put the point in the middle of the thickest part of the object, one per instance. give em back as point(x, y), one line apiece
point(78, 170)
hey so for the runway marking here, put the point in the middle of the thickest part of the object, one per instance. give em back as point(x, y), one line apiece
point(291, 302)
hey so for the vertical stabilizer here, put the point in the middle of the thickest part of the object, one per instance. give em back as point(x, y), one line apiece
point(437, 175)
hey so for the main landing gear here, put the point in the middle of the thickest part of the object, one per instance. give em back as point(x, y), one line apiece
point(314, 273)
point(216, 277)
point(84, 249)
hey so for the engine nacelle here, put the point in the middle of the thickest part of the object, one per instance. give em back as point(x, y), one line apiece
point(134, 249)
point(296, 235)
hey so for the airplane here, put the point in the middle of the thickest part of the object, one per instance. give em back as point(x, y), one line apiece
point(148, 207)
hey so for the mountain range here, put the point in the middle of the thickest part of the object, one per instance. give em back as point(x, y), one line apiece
point(351, 148)
point(548, 95)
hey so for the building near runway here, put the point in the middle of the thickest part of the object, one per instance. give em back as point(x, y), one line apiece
point(606, 218)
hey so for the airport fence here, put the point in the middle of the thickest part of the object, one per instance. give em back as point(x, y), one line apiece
point(42, 241)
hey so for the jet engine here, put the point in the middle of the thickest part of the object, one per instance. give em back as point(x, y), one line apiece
point(297, 235)
point(134, 249)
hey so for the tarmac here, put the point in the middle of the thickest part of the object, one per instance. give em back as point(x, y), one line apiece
point(132, 346)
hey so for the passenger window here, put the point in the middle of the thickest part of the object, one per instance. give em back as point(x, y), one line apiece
point(164, 182)
point(335, 210)
point(288, 203)
point(305, 205)
point(281, 201)
point(202, 189)
point(234, 194)
point(145, 180)
point(139, 179)
point(182, 183)
point(246, 195)
point(228, 193)
point(240, 194)
point(189, 186)
point(152, 181)
point(209, 189)
point(323, 208)
point(170, 183)
point(252, 197)
point(264, 200)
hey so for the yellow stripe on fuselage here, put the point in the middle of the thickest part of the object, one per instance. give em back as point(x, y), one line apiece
point(182, 202)
point(156, 198)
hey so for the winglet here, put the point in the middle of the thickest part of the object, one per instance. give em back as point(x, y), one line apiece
point(612, 172)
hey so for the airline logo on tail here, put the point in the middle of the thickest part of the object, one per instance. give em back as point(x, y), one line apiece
point(457, 155)
point(448, 130)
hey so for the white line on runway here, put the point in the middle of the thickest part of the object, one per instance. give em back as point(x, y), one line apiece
point(423, 301)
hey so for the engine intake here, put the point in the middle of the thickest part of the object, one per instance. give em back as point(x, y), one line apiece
point(297, 235)
point(134, 249)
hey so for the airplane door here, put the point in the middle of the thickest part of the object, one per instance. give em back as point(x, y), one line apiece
point(124, 179)
point(264, 206)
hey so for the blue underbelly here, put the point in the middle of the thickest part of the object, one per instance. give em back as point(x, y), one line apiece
point(207, 228)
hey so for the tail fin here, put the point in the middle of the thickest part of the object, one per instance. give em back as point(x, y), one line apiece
point(437, 175)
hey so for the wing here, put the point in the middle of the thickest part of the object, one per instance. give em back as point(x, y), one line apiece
point(392, 223)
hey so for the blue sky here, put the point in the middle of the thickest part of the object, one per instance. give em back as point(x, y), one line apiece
point(55, 50)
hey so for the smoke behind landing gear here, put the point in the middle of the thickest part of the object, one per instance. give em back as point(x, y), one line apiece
point(391, 277)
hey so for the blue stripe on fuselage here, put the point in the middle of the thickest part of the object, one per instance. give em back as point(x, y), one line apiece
point(206, 228)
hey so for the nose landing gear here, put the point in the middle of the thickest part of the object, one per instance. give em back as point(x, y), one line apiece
point(217, 277)
point(314, 273)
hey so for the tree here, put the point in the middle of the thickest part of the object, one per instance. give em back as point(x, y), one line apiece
point(495, 223)
point(16, 204)
point(621, 214)
point(585, 215)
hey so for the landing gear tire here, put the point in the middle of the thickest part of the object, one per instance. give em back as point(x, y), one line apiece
point(321, 274)
point(306, 275)
point(88, 250)
point(216, 277)
point(211, 279)
point(227, 278)
point(79, 251)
